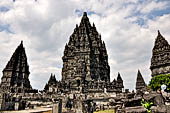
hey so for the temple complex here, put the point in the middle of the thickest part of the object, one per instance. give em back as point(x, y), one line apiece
point(160, 62)
point(85, 86)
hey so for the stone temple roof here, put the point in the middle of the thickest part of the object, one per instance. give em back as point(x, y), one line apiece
point(140, 83)
point(160, 52)
point(160, 41)
point(18, 61)
point(52, 79)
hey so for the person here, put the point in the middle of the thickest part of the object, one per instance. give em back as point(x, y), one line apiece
point(163, 87)
point(68, 103)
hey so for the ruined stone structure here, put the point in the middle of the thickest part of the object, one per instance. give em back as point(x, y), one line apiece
point(140, 83)
point(15, 77)
point(160, 62)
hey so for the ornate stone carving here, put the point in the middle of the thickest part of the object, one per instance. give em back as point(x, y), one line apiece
point(160, 62)
point(85, 63)
point(85, 56)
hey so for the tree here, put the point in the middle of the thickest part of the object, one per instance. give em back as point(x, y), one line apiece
point(157, 81)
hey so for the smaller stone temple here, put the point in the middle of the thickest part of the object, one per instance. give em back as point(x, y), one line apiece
point(160, 62)
point(120, 85)
point(15, 77)
point(140, 83)
point(51, 86)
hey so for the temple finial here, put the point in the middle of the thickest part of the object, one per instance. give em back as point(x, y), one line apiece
point(21, 41)
point(119, 76)
point(159, 32)
point(84, 14)
point(138, 70)
point(84, 17)
point(93, 24)
point(21, 44)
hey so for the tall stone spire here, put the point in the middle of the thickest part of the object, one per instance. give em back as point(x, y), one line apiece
point(18, 60)
point(52, 80)
point(85, 51)
point(140, 83)
point(160, 42)
point(120, 85)
point(51, 86)
point(16, 73)
point(119, 78)
point(160, 62)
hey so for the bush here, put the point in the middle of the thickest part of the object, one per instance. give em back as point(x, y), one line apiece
point(157, 81)
point(147, 105)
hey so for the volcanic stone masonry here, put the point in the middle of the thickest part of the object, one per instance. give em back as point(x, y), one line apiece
point(85, 63)
point(160, 62)
point(140, 83)
point(85, 86)
point(85, 57)
point(51, 86)
point(15, 77)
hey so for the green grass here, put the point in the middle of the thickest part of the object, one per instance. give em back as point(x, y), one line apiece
point(105, 111)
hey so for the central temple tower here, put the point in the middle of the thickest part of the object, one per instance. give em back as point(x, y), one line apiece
point(85, 56)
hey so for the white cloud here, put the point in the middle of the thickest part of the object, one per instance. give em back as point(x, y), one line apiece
point(45, 27)
point(147, 7)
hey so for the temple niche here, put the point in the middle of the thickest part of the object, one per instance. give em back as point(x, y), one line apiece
point(160, 61)
point(15, 77)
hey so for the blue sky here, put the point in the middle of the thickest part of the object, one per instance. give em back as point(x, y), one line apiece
point(128, 28)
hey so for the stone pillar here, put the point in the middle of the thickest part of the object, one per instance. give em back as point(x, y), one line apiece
point(57, 107)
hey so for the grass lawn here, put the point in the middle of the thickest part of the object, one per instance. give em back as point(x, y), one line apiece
point(106, 111)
